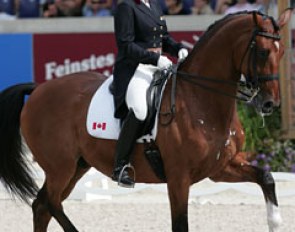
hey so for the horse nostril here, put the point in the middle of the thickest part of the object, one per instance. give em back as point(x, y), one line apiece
point(268, 104)
point(268, 107)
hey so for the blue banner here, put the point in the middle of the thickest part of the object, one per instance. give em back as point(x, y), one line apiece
point(16, 59)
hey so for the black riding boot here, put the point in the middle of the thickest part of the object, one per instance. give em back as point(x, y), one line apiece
point(127, 138)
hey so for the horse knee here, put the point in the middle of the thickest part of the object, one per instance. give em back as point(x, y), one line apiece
point(265, 178)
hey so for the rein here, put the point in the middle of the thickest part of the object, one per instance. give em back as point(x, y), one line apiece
point(196, 79)
point(192, 79)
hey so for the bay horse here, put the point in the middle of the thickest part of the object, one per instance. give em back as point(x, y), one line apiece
point(198, 143)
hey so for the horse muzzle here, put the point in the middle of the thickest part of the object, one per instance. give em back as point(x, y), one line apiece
point(265, 104)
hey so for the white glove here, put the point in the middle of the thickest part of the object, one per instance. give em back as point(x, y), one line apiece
point(164, 62)
point(182, 54)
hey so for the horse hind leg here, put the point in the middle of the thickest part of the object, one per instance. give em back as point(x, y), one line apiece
point(239, 170)
point(48, 204)
point(82, 168)
point(41, 215)
point(41, 212)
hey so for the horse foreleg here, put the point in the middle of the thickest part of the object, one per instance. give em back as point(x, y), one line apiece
point(267, 183)
point(178, 195)
point(239, 170)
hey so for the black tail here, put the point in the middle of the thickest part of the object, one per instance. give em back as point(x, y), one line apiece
point(15, 173)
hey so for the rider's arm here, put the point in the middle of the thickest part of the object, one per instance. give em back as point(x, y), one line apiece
point(170, 46)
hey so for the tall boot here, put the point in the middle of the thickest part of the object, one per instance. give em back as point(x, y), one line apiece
point(125, 144)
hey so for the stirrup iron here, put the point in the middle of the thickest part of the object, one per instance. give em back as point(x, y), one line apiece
point(121, 174)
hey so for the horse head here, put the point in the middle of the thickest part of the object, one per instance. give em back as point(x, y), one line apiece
point(260, 62)
point(244, 43)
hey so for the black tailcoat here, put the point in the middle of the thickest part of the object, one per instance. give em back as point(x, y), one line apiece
point(137, 28)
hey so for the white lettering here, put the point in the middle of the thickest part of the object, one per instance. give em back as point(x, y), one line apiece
point(92, 62)
point(49, 70)
point(75, 67)
point(52, 69)
point(110, 60)
point(67, 66)
point(85, 65)
point(106, 73)
point(100, 62)
point(60, 71)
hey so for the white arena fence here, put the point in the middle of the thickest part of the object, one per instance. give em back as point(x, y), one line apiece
point(94, 185)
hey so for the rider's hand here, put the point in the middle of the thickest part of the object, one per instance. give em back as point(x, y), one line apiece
point(164, 62)
point(182, 54)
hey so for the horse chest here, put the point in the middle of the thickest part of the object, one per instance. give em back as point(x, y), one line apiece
point(215, 138)
point(214, 145)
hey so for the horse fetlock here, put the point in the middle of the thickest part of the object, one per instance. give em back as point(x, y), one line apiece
point(274, 226)
point(273, 217)
point(276, 221)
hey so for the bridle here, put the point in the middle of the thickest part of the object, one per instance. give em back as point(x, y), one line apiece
point(252, 81)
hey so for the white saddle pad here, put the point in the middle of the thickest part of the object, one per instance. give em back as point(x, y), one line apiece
point(101, 122)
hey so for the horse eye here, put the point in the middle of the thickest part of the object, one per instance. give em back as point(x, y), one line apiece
point(263, 53)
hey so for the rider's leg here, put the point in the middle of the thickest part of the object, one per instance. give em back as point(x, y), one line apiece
point(136, 98)
point(127, 138)
point(132, 125)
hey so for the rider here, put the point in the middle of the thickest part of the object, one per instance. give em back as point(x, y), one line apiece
point(141, 36)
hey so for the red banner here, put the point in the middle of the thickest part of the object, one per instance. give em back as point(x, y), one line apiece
point(56, 55)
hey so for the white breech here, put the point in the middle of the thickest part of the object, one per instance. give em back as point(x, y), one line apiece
point(137, 89)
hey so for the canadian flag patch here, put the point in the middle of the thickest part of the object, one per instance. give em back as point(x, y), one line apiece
point(99, 126)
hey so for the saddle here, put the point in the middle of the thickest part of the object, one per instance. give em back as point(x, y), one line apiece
point(101, 124)
point(154, 97)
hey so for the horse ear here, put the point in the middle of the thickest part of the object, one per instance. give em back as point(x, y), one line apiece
point(285, 17)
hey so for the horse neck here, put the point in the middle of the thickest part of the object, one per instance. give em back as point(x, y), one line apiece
point(217, 55)
point(203, 106)
point(214, 59)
